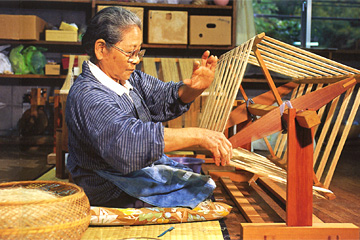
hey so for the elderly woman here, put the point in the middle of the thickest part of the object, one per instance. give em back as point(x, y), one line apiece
point(114, 114)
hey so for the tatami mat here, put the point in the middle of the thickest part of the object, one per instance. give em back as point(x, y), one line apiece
point(50, 176)
point(209, 230)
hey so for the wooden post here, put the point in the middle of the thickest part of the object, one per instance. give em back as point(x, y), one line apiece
point(299, 173)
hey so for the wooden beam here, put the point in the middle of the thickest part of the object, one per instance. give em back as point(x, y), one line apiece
point(279, 231)
point(240, 114)
point(299, 173)
point(250, 214)
point(260, 109)
point(267, 75)
point(271, 122)
point(324, 79)
point(307, 119)
point(279, 193)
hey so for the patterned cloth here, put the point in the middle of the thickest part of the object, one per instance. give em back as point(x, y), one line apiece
point(205, 211)
point(106, 134)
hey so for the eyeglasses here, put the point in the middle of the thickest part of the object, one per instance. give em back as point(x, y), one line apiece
point(133, 54)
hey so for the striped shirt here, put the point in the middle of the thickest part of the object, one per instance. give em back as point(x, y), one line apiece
point(105, 134)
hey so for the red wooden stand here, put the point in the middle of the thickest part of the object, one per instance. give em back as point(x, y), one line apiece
point(299, 196)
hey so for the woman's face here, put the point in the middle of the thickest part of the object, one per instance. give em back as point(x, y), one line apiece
point(116, 63)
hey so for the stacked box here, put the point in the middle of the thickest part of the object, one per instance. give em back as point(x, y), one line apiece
point(61, 35)
point(210, 30)
point(139, 11)
point(52, 69)
point(168, 27)
point(21, 27)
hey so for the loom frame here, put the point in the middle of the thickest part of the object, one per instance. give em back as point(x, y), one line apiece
point(304, 72)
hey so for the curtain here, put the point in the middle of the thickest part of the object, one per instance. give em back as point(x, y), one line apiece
point(245, 26)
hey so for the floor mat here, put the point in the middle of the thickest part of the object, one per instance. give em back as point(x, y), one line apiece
point(209, 230)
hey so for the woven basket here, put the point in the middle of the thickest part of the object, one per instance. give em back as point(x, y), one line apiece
point(65, 217)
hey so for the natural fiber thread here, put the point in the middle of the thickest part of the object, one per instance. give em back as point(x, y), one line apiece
point(24, 195)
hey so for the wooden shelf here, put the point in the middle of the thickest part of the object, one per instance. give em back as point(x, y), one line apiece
point(32, 76)
point(90, 6)
point(161, 5)
point(40, 42)
point(179, 46)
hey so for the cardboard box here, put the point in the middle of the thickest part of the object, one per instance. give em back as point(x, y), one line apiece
point(61, 35)
point(168, 27)
point(52, 69)
point(210, 30)
point(139, 11)
point(21, 27)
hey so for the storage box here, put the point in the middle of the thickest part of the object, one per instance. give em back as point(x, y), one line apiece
point(21, 27)
point(61, 35)
point(139, 11)
point(168, 27)
point(210, 30)
point(52, 69)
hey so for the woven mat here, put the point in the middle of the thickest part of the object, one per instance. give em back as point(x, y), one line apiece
point(209, 230)
point(50, 176)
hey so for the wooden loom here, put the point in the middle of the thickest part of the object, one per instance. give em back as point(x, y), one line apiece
point(318, 85)
point(230, 72)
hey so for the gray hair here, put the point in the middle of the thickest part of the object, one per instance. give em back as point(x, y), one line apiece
point(108, 24)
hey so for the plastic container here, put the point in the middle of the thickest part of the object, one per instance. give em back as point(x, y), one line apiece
point(193, 163)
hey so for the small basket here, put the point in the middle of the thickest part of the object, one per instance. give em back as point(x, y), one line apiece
point(64, 217)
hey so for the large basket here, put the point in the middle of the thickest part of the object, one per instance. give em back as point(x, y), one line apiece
point(65, 217)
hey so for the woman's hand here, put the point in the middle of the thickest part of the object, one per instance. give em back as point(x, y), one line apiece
point(218, 145)
point(203, 72)
point(202, 77)
point(215, 142)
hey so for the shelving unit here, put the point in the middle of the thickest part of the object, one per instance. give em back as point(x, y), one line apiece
point(208, 10)
point(88, 9)
point(80, 12)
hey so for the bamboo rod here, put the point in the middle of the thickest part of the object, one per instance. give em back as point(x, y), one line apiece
point(290, 61)
point(324, 131)
point(212, 92)
point(279, 69)
point(275, 66)
point(343, 138)
point(237, 79)
point(225, 91)
point(218, 92)
point(334, 131)
point(312, 61)
point(311, 55)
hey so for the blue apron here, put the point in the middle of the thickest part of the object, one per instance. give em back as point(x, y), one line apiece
point(166, 183)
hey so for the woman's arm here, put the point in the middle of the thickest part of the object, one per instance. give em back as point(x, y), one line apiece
point(216, 142)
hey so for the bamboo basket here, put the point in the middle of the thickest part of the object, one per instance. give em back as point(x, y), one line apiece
point(65, 217)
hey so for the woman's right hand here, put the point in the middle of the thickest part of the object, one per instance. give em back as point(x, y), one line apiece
point(215, 142)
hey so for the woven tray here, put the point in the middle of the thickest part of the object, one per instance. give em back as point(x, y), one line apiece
point(209, 230)
point(65, 217)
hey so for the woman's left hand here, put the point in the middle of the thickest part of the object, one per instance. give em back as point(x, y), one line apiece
point(203, 72)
